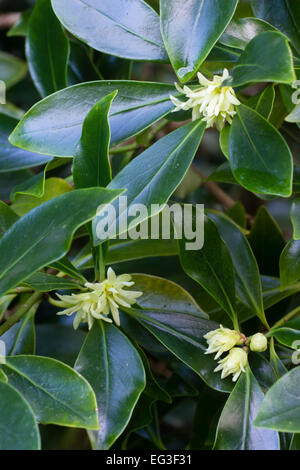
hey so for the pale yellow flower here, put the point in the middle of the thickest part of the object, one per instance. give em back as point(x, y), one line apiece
point(258, 342)
point(234, 363)
point(222, 340)
point(214, 103)
point(100, 300)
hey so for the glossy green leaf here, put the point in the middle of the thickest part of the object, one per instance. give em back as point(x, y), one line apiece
point(212, 267)
point(12, 69)
point(256, 62)
point(235, 428)
point(280, 409)
point(222, 174)
point(224, 141)
point(13, 158)
point(282, 14)
point(53, 126)
point(174, 318)
point(265, 102)
point(286, 336)
point(163, 167)
point(248, 284)
point(44, 282)
point(21, 25)
point(18, 428)
point(47, 49)
point(43, 243)
point(114, 369)
point(237, 213)
point(123, 29)
point(65, 266)
point(7, 218)
point(240, 31)
point(290, 264)
point(260, 159)
point(91, 166)
point(295, 217)
point(20, 338)
point(125, 250)
point(56, 392)
point(190, 31)
point(182, 334)
point(53, 187)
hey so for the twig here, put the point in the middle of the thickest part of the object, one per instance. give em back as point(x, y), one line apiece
point(7, 20)
point(215, 190)
point(33, 300)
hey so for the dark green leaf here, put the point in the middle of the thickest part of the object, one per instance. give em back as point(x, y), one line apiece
point(248, 285)
point(91, 160)
point(265, 102)
point(20, 338)
point(7, 218)
point(18, 428)
point(44, 243)
point(256, 62)
point(290, 264)
point(191, 30)
point(123, 29)
point(260, 159)
point(286, 336)
point(44, 282)
point(212, 267)
point(114, 369)
point(47, 49)
point(126, 250)
point(53, 126)
point(235, 429)
point(241, 30)
point(280, 409)
point(13, 158)
point(166, 160)
point(282, 14)
point(56, 393)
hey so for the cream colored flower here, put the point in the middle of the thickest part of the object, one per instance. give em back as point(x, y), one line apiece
point(258, 342)
point(214, 103)
point(222, 339)
point(100, 300)
point(234, 363)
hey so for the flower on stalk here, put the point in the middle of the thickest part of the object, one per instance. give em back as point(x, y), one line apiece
point(214, 103)
point(100, 300)
point(258, 342)
point(234, 363)
point(222, 340)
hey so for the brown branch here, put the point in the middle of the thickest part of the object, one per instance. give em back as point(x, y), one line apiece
point(7, 20)
point(215, 190)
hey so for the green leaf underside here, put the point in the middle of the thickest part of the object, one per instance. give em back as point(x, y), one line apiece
point(53, 126)
point(123, 29)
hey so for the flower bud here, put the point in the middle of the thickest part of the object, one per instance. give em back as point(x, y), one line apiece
point(258, 342)
point(221, 340)
point(234, 363)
